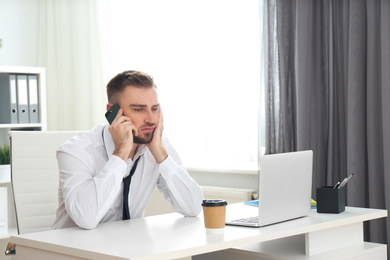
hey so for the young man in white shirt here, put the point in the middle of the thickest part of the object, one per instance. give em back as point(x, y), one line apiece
point(93, 165)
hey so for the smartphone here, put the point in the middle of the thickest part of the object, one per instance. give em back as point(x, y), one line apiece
point(112, 112)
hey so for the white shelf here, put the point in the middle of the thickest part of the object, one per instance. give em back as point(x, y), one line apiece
point(22, 70)
point(21, 126)
point(293, 248)
point(4, 128)
point(41, 72)
point(5, 181)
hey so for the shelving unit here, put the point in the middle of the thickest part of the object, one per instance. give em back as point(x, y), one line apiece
point(4, 138)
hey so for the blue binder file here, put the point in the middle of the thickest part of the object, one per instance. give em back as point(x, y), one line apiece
point(8, 99)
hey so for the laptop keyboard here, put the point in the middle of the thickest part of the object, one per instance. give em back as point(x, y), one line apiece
point(247, 220)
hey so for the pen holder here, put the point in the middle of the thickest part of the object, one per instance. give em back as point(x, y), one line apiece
point(330, 200)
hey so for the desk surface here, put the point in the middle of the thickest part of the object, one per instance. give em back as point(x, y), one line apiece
point(173, 236)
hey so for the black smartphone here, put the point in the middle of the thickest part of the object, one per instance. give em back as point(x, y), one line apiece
point(112, 112)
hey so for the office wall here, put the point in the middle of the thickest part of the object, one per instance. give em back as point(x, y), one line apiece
point(226, 178)
point(19, 25)
point(19, 29)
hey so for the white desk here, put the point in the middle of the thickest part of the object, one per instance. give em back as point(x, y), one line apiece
point(172, 236)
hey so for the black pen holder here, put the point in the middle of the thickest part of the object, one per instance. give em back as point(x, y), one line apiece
point(330, 200)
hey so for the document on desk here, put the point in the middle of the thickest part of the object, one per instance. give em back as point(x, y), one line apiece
point(255, 203)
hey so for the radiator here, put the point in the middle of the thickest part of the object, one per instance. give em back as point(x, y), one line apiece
point(158, 205)
point(229, 194)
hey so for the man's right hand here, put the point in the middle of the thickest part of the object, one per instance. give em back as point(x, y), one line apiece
point(121, 130)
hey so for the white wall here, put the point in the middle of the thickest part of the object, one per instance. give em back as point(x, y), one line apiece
point(19, 25)
point(225, 178)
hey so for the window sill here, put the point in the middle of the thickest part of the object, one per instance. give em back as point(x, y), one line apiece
point(222, 171)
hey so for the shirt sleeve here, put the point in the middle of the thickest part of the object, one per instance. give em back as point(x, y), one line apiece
point(88, 197)
point(178, 186)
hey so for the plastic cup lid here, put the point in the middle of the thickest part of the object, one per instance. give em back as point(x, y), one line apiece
point(214, 203)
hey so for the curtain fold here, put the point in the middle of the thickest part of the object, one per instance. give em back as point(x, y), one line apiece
point(280, 103)
point(338, 52)
point(70, 51)
point(384, 100)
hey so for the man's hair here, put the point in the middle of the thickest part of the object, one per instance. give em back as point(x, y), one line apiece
point(127, 78)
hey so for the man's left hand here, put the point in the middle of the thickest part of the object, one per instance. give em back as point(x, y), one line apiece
point(155, 146)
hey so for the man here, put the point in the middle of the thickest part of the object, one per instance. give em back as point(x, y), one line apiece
point(94, 165)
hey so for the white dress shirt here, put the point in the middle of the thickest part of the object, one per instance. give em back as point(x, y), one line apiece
point(91, 181)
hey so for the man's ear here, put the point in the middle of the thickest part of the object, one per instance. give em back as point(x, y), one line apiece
point(109, 105)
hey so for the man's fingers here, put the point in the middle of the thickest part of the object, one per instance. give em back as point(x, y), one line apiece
point(119, 114)
point(161, 116)
point(134, 129)
point(161, 120)
point(126, 122)
point(122, 120)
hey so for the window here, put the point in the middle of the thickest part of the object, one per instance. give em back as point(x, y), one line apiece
point(205, 58)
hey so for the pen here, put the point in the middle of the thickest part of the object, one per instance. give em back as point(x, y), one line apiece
point(345, 181)
point(337, 185)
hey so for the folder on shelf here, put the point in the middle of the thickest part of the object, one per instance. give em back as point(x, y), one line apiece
point(8, 99)
point(33, 98)
point(22, 90)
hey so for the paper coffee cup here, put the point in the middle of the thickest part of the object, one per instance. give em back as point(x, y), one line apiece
point(214, 212)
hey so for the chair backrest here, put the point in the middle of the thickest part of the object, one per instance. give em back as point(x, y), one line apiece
point(34, 176)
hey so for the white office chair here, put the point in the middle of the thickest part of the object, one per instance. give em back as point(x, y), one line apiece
point(34, 176)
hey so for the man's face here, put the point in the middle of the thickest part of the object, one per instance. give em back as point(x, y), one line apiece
point(141, 105)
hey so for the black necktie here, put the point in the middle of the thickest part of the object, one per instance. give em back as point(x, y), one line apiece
point(126, 187)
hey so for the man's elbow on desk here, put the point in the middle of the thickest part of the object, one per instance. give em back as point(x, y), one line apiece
point(85, 223)
point(87, 226)
point(193, 211)
point(197, 209)
point(82, 220)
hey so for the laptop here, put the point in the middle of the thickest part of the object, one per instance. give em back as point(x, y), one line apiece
point(285, 183)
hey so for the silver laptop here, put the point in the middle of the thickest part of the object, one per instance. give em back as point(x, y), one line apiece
point(285, 183)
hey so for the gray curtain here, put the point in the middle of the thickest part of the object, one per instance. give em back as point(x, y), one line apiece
point(328, 90)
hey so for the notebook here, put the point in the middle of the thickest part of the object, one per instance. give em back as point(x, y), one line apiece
point(255, 203)
point(285, 183)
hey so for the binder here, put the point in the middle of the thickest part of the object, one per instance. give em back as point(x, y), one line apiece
point(8, 99)
point(33, 98)
point(22, 90)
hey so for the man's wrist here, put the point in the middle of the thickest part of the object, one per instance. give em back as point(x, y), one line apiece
point(121, 154)
point(159, 154)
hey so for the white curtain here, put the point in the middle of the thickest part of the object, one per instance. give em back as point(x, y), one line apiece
point(69, 49)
